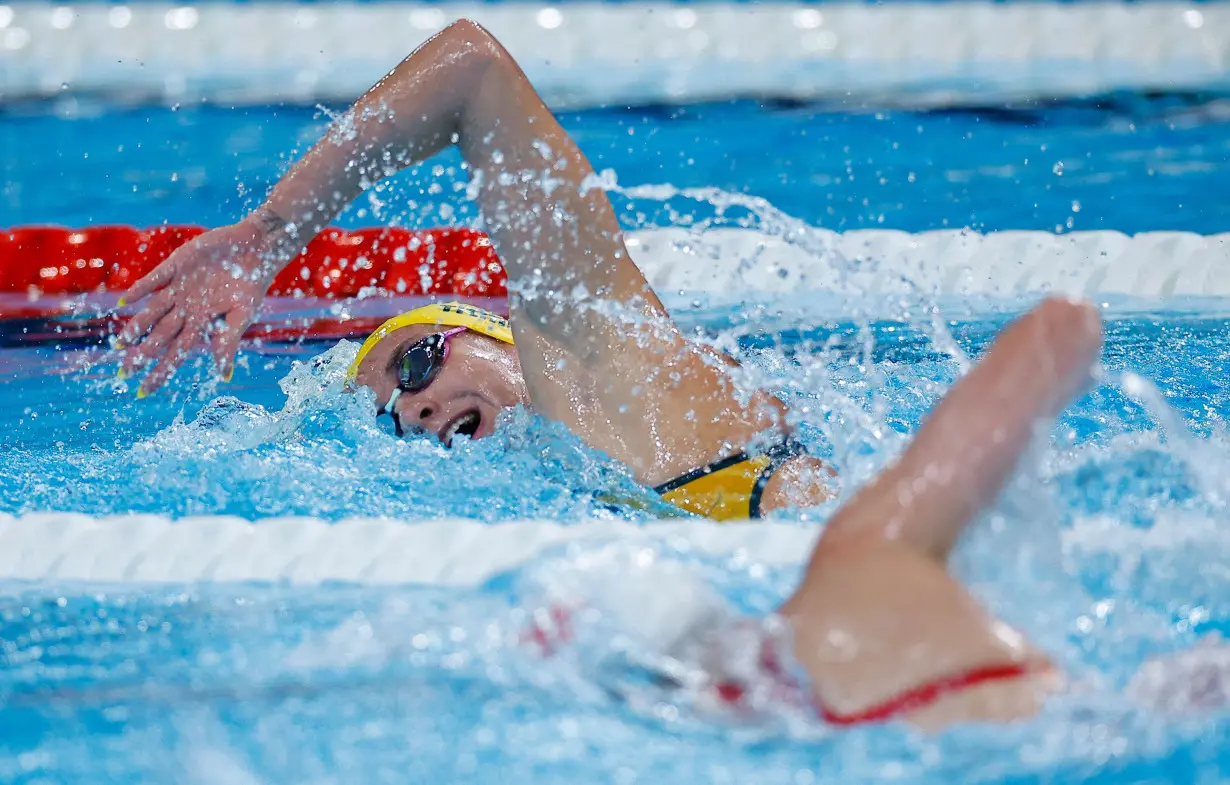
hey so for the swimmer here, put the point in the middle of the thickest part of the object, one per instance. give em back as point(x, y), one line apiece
point(581, 311)
point(880, 628)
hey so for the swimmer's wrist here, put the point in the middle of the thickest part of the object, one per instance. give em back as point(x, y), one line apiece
point(279, 239)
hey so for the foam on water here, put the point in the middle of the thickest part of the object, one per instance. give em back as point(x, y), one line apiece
point(320, 453)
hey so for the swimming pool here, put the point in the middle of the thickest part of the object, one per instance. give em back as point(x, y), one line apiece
point(1101, 552)
point(1104, 550)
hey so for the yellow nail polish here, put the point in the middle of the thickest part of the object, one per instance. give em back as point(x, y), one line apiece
point(141, 393)
point(230, 374)
point(121, 302)
point(121, 374)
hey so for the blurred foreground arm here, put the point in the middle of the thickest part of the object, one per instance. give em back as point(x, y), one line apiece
point(877, 613)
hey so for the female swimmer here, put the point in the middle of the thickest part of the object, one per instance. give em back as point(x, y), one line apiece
point(580, 308)
point(879, 626)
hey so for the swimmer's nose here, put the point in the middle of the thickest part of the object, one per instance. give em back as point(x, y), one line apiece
point(416, 416)
point(419, 415)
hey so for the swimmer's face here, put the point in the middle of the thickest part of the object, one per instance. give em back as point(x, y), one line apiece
point(480, 378)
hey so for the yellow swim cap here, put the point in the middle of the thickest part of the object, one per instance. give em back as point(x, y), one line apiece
point(452, 314)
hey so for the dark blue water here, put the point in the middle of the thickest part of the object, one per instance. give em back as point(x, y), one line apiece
point(1126, 162)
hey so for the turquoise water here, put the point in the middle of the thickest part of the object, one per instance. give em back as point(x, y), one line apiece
point(1105, 549)
point(78, 440)
point(259, 683)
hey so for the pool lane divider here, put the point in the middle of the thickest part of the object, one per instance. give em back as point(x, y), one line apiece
point(152, 549)
point(581, 54)
point(41, 267)
point(50, 260)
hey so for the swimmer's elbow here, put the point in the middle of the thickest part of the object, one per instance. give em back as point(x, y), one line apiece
point(475, 40)
point(467, 31)
point(1072, 312)
point(478, 62)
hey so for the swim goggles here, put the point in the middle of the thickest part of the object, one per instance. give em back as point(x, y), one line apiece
point(452, 314)
point(418, 368)
point(415, 368)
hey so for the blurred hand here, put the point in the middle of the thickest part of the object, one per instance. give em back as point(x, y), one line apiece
point(208, 291)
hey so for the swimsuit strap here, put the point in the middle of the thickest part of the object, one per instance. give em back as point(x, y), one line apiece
point(926, 694)
point(554, 628)
point(777, 455)
point(733, 692)
point(732, 487)
point(688, 478)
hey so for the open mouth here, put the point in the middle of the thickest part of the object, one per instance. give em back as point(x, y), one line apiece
point(467, 424)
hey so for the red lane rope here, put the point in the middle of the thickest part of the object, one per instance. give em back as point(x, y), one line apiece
point(52, 260)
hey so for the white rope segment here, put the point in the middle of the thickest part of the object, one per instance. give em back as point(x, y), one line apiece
point(1157, 265)
point(589, 53)
point(151, 549)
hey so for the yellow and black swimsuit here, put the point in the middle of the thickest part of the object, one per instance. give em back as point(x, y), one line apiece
point(729, 489)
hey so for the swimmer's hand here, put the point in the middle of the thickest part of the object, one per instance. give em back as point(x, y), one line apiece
point(208, 291)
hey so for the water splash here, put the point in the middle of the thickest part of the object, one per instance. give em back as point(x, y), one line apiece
point(1205, 458)
point(324, 453)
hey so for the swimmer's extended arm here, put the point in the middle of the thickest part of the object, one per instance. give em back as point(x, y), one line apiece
point(970, 443)
point(876, 614)
point(597, 349)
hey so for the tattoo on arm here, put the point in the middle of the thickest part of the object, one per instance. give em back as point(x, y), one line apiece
point(270, 222)
point(280, 238)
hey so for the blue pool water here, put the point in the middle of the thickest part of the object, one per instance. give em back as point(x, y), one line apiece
point(1105, 550)
point(77, 440)
point(1120, 162)
point(257, 683)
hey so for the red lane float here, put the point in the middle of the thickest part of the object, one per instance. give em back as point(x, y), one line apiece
point(49, 260)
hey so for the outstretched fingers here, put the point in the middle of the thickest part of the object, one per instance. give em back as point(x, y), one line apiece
point(144, 321)
point(178, 347)
point(225, 341)
point(155, 279)
point(154, 344)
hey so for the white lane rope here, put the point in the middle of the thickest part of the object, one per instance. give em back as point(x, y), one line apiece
point(151, 549)
point(590, 53)
point(1159, 265)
